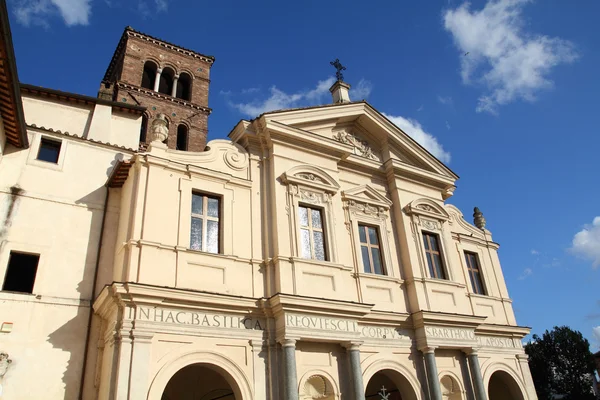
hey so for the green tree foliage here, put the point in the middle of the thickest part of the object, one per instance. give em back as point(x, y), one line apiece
point(561, 364)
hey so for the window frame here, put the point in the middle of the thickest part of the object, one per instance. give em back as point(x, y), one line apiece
point(311, 229)
point(479, 272)
point(205, 219)
point(34, 149)
point(439, 253)
point(370, 247)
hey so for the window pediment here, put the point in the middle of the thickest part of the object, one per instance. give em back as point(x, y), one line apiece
point(427, 208)
point(312, 177)
point(366, 200)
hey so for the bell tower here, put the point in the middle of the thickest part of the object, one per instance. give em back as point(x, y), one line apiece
point(166, 79)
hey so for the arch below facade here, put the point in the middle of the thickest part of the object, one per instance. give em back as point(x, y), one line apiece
point(230, 371)
point(510, 377)
point(399, 374)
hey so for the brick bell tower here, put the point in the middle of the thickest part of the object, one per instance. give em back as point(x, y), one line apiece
point(166, 79)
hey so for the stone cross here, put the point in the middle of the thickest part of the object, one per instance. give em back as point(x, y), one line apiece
point(339, 68)
point(384, 395)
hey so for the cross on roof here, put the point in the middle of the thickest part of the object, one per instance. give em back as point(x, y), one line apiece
point(339, 68)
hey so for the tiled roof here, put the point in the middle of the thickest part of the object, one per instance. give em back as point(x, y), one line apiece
point(11, 106)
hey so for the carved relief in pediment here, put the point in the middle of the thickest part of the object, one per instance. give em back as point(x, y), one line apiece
point(361, 146)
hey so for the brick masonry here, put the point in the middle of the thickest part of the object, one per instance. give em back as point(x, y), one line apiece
point(123, 83)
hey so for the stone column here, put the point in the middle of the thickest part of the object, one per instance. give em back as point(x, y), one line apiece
point(290, 378)
point(435, 392)
point(478, 386)
point(353, 351)
point(174, 91)
point(157, 79)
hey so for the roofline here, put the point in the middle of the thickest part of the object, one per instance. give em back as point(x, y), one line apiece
point(117, 52)
point(352, 103)
point(14, 77)
point(53, 93)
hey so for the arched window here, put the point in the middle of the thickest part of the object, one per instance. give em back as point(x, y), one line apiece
point(166, 81)
point(182, 138)
point(143, 128)
point(184, 87)
point(149, 75)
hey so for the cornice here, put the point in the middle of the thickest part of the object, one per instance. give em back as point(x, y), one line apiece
point(163, 96)
point(280, 303)
point(75, 136)
point(423, 318)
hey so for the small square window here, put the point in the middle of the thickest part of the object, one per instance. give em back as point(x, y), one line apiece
point(21, 271)
point(49, 150)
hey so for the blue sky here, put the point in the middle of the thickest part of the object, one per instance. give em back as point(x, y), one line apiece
point(504, 91)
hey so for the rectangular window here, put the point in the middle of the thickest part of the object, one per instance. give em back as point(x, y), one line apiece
point(370, 249)
point(434, 255)
point(474, 272)
point(49, 150)
point(312, 233)
point(205, 230)
point(20, 274)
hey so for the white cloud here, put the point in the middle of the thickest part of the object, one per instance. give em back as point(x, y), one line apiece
point(362, 90)
point(73, 12)
point(278, 99)
point(448, 125)
point(445, 100)
point(415, 130)
point(526, 273)
point(534, 252)
point(421, 108)
point(586, 243)
point(596, 333)
point(496, 51)
point(161, 5)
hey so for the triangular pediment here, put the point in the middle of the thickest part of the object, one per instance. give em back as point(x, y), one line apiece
point(366, 194)
point(367, 132)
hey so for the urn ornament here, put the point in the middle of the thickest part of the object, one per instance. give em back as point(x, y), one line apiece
point(478, 218)
point(159, 131)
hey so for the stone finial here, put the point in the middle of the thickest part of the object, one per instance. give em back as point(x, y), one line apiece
point(159, 131)
point(478, 218)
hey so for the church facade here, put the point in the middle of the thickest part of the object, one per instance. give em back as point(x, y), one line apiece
point(312, 255)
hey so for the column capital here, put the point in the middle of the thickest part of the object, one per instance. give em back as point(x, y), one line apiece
point(428, 349)
point(523, 356)
point(288, 342)
point(176, 76)
point(352, 345)
point(159, 70)
point(473, 351)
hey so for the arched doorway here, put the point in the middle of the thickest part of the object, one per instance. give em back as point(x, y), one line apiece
point(390, 385)
point(199, 382)
point(502, 386)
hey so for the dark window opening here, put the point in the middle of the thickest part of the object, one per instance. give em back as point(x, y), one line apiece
point(149, 75)
point(166, 81)
point(434, 255)
point(182, 138)
point(143, 129)
point(49, 150)
point(474, 272)
point(20, 274)
point(184, 87)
